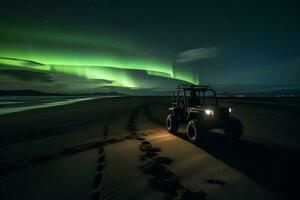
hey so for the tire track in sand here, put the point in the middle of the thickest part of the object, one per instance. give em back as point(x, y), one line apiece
point(132, 128)
point(100, 165)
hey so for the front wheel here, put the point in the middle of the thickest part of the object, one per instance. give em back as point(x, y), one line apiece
point(196, 132)
point(172, 124)
point(234, 128)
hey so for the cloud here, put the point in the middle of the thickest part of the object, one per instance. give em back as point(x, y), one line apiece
point(197, 54)
point(26, 75)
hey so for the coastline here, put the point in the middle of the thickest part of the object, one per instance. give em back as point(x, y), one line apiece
point(18, 108)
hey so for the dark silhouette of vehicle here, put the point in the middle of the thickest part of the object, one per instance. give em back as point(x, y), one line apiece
point(198, 107)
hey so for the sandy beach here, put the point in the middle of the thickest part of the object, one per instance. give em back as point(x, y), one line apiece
point(118, 148)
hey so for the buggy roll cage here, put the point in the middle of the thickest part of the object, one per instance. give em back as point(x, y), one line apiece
point(187, 87)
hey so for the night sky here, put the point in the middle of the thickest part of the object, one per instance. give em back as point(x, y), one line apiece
point(148, 47)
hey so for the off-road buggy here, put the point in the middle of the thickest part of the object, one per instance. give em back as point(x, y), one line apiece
point(197, 107)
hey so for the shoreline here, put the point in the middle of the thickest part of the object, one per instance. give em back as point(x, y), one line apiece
point(61, 102)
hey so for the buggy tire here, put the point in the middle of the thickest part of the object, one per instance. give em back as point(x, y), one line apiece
point(172, 124)
point(196, 132)
point(234, 128)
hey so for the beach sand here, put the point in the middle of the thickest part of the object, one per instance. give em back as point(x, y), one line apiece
point(119, 149)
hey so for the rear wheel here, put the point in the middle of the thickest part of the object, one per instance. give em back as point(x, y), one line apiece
point(172, 124)
point(196, 132)
point(234, 128)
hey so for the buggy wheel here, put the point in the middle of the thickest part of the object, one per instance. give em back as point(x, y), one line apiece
point(234, 129)
point(196, 132)
point(172, 123)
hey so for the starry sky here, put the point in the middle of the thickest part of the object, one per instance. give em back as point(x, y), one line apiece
point(148, 47)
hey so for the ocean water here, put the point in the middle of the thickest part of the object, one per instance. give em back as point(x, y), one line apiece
point(11, 104)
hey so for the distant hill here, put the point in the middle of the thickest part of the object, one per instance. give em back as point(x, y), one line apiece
point(38, 93)
point(295, 92)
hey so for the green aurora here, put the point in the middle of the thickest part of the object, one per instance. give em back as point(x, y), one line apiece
point(83, 55)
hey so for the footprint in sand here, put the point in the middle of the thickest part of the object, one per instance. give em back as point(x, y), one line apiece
point(163, 160)
point(215, 182)
point(160, 178)
point(140, 138)
point(148, 150)
point(131, 127)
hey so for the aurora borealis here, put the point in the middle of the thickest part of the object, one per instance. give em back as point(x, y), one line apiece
point(90, 46)
point(89, 57)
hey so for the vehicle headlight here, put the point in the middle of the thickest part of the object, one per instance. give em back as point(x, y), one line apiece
point(229, 109)
point(209, 112)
